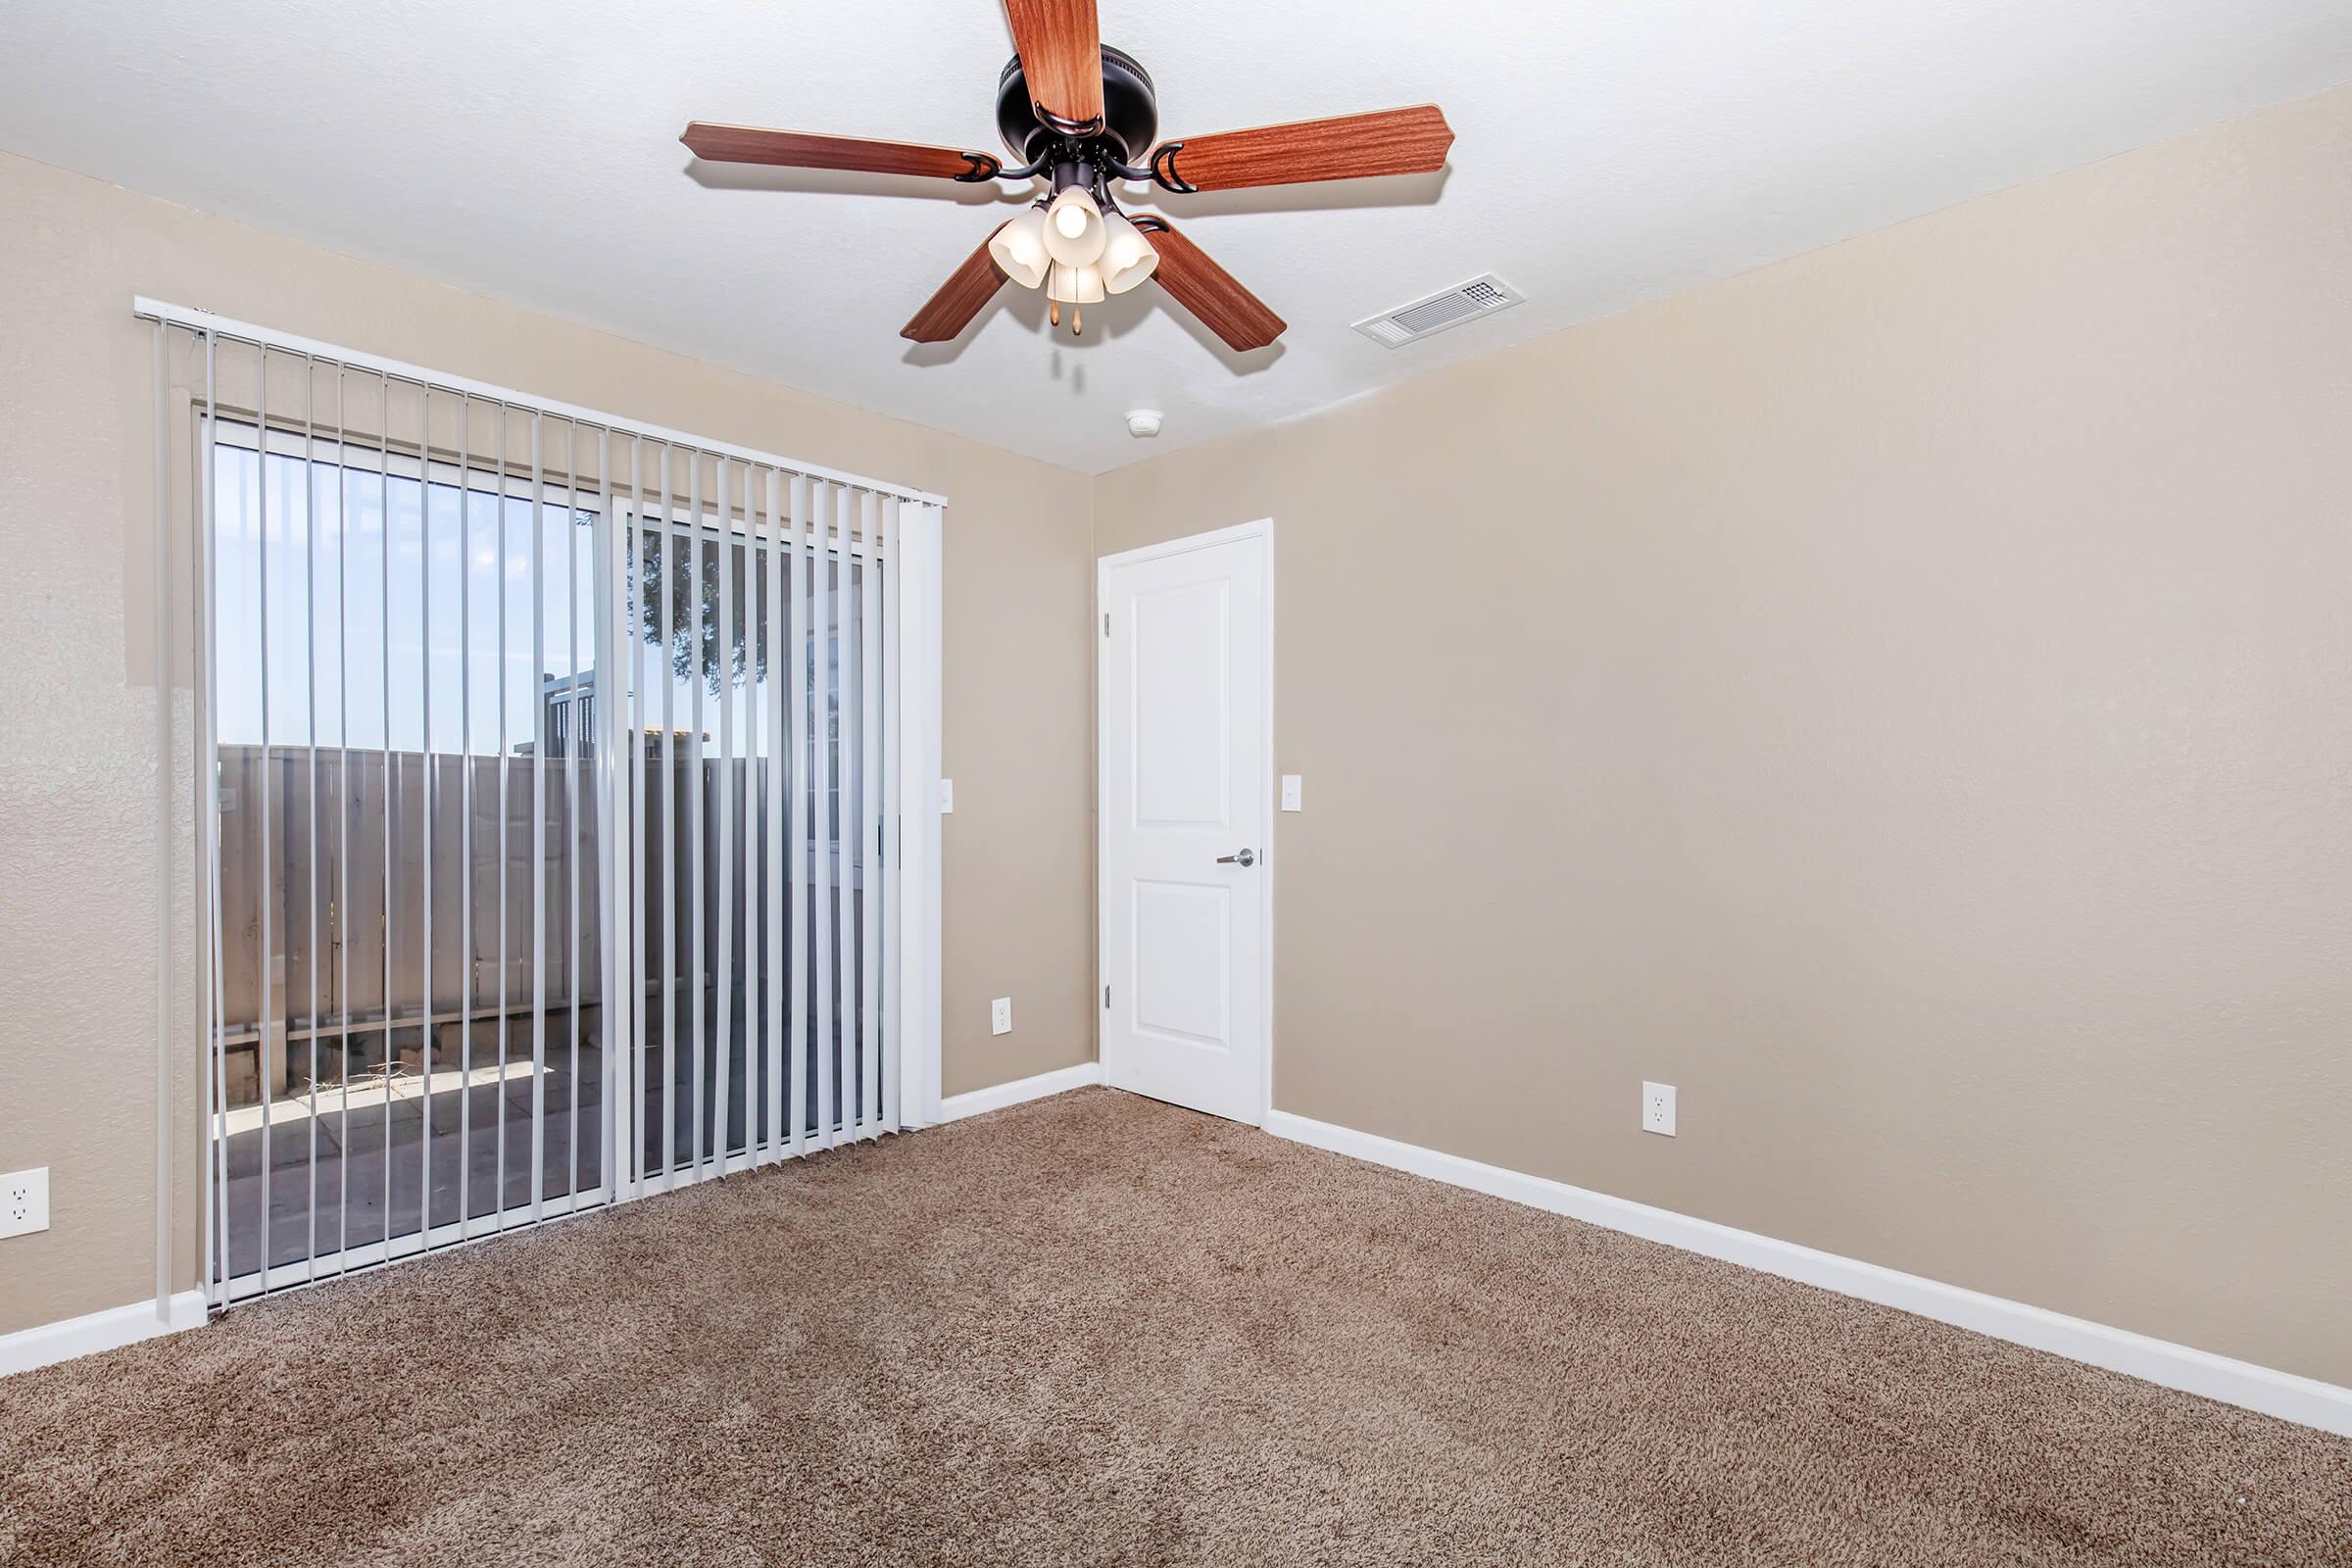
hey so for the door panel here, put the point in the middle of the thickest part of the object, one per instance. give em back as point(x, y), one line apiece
point(1183, 709)
point(405, 1049)
point(1182, 963)
point(1184, 825)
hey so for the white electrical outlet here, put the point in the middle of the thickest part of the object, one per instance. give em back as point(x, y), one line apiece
point(1292, 792)
point(1657, 1109)
point(946, 797)
point(25, 1202)
point(1000, 1016)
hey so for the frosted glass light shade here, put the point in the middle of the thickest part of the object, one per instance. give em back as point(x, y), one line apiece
point(1074, 232)
point(1074, 285)
point(1019, 249)
point(1127, 255)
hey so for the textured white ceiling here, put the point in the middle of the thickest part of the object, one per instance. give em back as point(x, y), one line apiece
point(1607, 151)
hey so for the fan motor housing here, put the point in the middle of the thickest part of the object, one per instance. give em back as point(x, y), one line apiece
point(1130, 111)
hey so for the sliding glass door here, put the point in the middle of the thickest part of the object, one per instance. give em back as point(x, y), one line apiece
point(406, 944)
point(760, 802)
point(552, 847)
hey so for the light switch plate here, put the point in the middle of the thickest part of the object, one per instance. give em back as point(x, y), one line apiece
point(1657, 1109)
point(1291, 790)
point(25, 1202)
point(947, 796)
point(1000, 1016)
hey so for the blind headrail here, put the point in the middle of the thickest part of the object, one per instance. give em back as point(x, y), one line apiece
point(222, 327)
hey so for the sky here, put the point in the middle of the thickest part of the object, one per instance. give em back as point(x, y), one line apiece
point(307, 572)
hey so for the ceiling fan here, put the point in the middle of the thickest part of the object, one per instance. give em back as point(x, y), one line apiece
point(1077, 114)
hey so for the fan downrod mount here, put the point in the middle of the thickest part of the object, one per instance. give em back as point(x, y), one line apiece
point(1130, 113)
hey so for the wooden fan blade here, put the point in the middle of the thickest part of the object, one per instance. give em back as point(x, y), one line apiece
point(803, 149)
point(1060, 45)
point(1392, 142)
point(959, 299)
point(1210, 293)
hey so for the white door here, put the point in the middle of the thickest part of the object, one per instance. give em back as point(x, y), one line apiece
point(1185, 658)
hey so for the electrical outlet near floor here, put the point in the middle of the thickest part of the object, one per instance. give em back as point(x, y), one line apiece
point(1657, 1109)
point(25, 1202)
point(1000, 1016)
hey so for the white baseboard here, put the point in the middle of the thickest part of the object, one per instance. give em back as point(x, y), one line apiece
point(1083, 1076)
point(2176, 1366)
point(28, 1349)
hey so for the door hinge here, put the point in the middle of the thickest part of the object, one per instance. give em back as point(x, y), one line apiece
point(1106, 997)
point(1106, 624)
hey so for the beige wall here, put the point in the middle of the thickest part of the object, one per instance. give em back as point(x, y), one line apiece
point(1903, 698)
point(77, 783)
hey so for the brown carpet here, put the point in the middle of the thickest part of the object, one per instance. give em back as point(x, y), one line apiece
point(1098, 1330)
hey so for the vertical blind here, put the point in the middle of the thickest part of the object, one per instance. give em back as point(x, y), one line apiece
point(757, 610)
point(554, 833)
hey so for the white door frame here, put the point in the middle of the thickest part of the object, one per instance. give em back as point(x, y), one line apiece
point(1262, 529)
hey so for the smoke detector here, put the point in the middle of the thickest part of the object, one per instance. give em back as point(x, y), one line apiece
point(1435, 312)
point(1143, 424)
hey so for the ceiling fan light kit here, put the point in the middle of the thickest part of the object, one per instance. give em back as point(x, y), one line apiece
point(1127, 257)
point(1074, 227)
point(1073, 286)
point(1078, 114)
point(1019, 248)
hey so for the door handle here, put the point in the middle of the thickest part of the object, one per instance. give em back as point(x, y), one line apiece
point(1245, 857)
